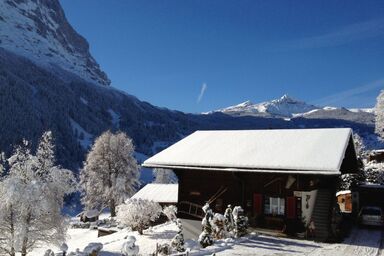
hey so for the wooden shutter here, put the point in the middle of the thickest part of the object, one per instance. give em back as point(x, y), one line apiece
point(258, 203)
point(291, 207)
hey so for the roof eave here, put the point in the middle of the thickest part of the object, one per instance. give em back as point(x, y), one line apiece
point(286, 171)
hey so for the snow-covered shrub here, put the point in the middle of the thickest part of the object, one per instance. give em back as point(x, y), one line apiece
point(219, 230)
point(163, 249)
point(110, 174)
point(49, 252)
point(205, 238)
point(241, 221)
point(138, 213)
point(228, 218)
point(129, 248)
point(76, 253)
point(79, 224)
point(32, 195)
point(170, 211)
point(178, 241)
point(92, 249)
point(64, 249)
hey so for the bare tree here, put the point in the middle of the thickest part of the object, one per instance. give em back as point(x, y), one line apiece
point(379, 109)
point(32, 197)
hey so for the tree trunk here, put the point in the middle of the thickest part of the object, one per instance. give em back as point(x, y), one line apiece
point(25, 239)
point(112, 207)
point(12, 252)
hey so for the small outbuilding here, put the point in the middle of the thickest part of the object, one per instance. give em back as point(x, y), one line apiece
point(344, 199)
point(282, 178)
point(164, 194)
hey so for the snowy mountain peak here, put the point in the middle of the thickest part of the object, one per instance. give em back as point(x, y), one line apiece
point(39, 31)
point(285, 106)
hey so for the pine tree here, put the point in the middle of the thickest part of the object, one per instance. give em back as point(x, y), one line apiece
point(110, 174)
point(205, 238)
point(228, 218)
point(178, 241)
point(241, 221)
point(379, 109)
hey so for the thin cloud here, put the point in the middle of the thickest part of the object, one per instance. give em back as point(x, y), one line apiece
point(202, 92)
point(341, 36)
point(344, 96)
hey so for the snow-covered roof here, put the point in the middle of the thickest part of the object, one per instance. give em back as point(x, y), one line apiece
point(161, 193)
point(343, 192)
point(316, 151)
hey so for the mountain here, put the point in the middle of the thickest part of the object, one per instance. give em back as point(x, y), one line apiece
point(65, 91)
point(39, 31)
point(283, 107)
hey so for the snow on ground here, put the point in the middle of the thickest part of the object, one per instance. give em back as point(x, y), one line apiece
point(79, 238)
point(365, 242)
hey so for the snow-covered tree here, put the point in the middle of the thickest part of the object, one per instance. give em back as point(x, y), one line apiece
point(31, 196)
point(110, 174)
point(205, 238)
point(359, 146)
point(379, 109)
point(170, 211)
point(178, 241)
point(138, 213)
point(164, 176)
point(374, 173)
point(241, 221)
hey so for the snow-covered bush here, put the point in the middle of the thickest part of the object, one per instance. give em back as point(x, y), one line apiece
point(241, 221)
point(138, 213)
point(31, 195)
point(49, 252)
point(170, 211)
point(164, 176)
point(205, 238)
point(178, 241)
point(64, 249)
point(228, 218)
point(92, 249)
point(110, 174)
point(163, 249)
point(129, 248)
point(219, 230)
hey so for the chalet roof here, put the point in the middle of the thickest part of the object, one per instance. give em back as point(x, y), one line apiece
point(310, 151)
point(160, 193)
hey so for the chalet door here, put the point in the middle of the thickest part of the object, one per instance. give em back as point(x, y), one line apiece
point(257, 204)
point(291, 207)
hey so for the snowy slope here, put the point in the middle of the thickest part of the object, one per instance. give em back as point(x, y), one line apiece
point(38, 30)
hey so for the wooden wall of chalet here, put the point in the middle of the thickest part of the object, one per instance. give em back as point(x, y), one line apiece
point(198, 186)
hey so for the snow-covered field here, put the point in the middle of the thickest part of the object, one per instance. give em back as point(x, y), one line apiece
point(365, 242)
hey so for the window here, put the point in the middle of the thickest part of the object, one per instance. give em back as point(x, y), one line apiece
point(274, 205)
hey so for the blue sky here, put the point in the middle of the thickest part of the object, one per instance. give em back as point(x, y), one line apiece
point(201, 55)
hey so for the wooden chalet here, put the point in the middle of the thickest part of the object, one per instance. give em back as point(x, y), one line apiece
point(282, 178)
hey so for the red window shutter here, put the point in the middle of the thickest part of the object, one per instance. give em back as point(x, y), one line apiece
point(258, 203)
point(291, 207)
